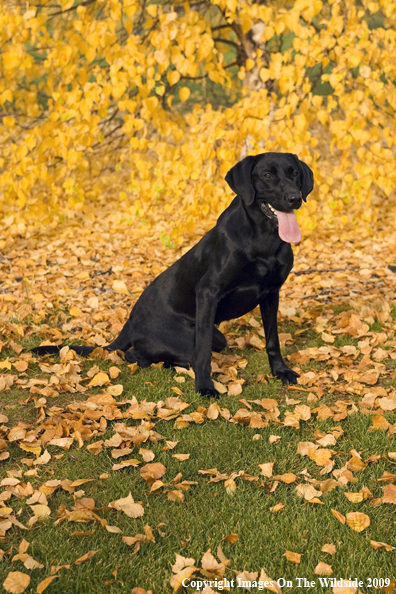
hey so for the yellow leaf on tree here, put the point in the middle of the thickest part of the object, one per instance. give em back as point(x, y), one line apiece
point(184, 94)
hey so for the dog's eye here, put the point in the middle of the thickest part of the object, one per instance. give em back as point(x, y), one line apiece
point(267, 175)
point(295, 174)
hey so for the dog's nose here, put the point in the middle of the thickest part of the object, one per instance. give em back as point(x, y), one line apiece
point(294, 200)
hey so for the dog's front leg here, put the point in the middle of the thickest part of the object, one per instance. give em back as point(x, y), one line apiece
point(206, 303)
point(269, 313)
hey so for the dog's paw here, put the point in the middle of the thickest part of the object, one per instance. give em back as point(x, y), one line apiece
point(209, 392)
point(287, 376)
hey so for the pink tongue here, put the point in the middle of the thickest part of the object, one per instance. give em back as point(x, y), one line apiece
point(288, 228)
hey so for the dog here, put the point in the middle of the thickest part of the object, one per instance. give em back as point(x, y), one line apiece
point(239, 264)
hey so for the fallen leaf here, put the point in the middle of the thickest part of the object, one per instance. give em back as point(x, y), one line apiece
point(378, 545)
point(128, 506)
point(100, 379)
point(85, 557)
point(43, 459)
point(45, 583)
point(271, 585)
point(307, 491)
point(234, 389)
point(210, 564)
point(153, 471)
point(175, 495)
point(113, 529)
point(389, 495)
point(41, 511)
point(277, 508)
point(293, 557)
point(233, 538)
point(287, 478)
point(147, 455)
point(274, 438)
point(16, 582)
point(230, 486)
point(323, 569)
point(266, 469)
point(329, 548)
point(346, 588)
point(358, 521)
point(120, 287)
point(338, 515)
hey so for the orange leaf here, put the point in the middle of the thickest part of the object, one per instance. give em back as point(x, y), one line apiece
point(358, 521)
point(293, 557)
point(45, 583)
point(85, 557)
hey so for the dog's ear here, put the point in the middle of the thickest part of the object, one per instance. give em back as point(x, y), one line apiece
point(307, 182)
point(239, 178)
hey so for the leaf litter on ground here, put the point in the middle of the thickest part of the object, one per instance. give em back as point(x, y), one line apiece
point(336, 382)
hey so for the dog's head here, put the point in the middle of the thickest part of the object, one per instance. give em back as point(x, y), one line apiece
point(277, 182)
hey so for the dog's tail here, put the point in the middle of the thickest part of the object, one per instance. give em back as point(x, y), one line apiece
point(121, 343)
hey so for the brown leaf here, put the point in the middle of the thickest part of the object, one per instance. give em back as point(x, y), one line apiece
point(266, 469)
point(323, 569)
point(389, 495)
point(293, 557)
point(271, 585)
point(16, 582)
point(213, 411)
point(329, 548)
point(233, 538)
point(128, 506)
point(234, 389)
point(338, 515)
point(230, 486)
point(86, 557)
point(147, 455)
point(43, 459)
point(358, 521)
point(41, 511)
point(100, 379)
point(307, 491)
point(378, 545)
point(274, 438)
point(320, 456)
point(114, 372)
point(153, 471)
point(126, 463)
point(210, 564)
point(277, 508)
point(113, 529)
point(287, 478)
point(175, 496)
point(45, 583)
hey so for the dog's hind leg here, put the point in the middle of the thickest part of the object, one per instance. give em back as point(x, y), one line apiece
point(123, 340)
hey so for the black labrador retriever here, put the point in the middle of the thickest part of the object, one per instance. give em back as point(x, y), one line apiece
point(241, 263)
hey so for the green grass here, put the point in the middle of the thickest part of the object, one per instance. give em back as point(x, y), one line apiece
point(208, 513)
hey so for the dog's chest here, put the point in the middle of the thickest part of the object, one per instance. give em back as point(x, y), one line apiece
point(267, 273)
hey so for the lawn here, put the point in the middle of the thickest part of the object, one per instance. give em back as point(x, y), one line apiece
point(115, 478)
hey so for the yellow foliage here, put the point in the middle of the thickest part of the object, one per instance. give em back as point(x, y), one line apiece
point(98, 103)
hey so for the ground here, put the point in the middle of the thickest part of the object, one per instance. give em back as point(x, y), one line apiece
point(116, 478)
